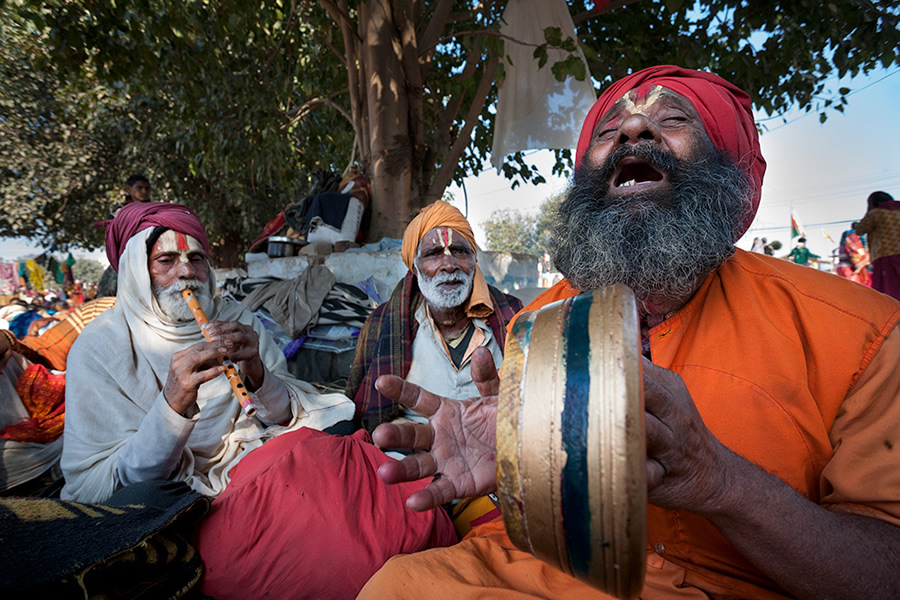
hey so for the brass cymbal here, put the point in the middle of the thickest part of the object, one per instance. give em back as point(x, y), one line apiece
point(570, 439)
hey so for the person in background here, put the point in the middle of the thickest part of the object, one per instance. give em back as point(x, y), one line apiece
point(800, 254)
point(437, 315)
point(881, 225)
point(853, 258)
point(137, 189)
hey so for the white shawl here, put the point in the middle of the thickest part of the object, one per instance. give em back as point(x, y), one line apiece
point(116, 415)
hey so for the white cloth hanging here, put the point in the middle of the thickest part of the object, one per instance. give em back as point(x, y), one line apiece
point(534, 110)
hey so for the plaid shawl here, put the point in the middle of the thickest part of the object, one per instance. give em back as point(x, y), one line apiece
point(385, 347)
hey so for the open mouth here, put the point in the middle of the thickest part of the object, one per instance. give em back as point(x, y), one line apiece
point(635, 171)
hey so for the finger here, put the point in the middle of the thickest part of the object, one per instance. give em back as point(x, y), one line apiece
point(411, 468)
point(438, 492)
point(408, 394)
point(484, 372)
point(200, 353)
point(410, 436)
point(657, 434)
point(657, 399)
point(655, 473)
point(206, 373)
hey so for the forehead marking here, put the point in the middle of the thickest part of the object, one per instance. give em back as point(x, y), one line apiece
point(175, 241)
point(639, 100)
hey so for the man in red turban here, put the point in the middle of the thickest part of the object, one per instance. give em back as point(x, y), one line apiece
point(771, 391)
point(147, 398)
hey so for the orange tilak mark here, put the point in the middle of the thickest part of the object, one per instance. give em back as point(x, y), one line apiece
point(182, 242)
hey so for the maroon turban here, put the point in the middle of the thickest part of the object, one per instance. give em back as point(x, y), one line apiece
point(137, 216)
point(724, 109)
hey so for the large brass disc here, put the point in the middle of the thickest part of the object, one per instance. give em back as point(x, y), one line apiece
point(570, 439)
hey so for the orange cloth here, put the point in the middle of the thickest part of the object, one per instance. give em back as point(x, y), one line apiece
point(808, 362)
point(443, 214)
point(54, 344)
point(43, 395)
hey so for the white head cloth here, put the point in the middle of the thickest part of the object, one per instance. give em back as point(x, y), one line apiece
point(118, 367)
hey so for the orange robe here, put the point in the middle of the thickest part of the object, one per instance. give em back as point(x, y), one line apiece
point(790, 367)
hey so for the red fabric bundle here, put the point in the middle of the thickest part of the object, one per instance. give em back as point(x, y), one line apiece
point(44, 396)
point(306, 516)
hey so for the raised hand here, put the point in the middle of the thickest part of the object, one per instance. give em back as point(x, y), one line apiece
point(457, 446)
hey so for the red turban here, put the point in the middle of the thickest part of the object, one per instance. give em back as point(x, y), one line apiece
point(724, 109)
point(137, 216)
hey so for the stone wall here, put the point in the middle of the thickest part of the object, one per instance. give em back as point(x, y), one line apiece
point(504, 270)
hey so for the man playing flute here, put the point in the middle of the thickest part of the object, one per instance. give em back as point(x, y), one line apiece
point(147, 402)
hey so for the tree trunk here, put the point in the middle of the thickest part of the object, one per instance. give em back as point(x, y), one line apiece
point(389, 157)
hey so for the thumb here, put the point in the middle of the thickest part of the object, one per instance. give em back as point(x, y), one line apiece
point(484, 372)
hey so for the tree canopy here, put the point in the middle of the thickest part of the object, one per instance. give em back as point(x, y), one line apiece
point(509, 230)
point(230, 106)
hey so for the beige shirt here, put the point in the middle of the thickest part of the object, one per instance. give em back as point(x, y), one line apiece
point(432, 368)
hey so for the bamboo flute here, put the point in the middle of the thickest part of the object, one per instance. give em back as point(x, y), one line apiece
point(231, 372)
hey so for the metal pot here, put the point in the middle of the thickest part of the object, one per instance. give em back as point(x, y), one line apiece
point(280, 247)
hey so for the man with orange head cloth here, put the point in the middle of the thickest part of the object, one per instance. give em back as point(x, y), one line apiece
point(437, 316)
point(771, 390)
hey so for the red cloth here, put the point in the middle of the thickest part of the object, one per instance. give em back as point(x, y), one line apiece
point(886, 275)
point(137, 216)
point(306, 516)
point(725, 109)
point(44, 396)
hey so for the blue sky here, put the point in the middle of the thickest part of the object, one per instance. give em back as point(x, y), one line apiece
point(823, 171)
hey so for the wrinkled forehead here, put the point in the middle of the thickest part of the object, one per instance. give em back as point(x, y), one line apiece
point(645, 99)
point(172, 241)
point(443, 237)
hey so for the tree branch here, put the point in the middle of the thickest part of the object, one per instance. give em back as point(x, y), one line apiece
point(307, 107)
point(448, 165)
point(287, 31)
point(429, 38)
point(584, 16)
point(338, 14)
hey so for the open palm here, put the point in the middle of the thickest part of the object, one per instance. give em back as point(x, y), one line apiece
point(458, 444)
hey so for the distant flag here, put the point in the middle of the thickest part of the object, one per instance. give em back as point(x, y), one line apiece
point(828, 237)
point(796, 227)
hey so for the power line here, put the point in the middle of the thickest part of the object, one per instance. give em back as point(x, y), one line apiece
point(812, 112)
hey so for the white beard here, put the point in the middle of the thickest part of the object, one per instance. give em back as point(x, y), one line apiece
point(173, 303)
point(446, 299)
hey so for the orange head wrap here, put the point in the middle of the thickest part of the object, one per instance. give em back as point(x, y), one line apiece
point(443, 214)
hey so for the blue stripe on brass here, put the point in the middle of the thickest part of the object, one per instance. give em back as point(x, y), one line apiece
point(522, 330)
point(575, 501)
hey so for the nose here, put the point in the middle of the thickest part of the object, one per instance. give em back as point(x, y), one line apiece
point(448, 262)
point(185, 270)
point(638, 128)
